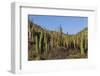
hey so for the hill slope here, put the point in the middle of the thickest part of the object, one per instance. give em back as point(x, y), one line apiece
point(45, 44)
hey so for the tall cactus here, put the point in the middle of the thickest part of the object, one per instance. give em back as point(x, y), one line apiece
point(37, 45)
point(85, 42)
point(74, 42)
point(46, 44)
point(52, 40)
point(40, 41)
point(81, 46)
point(60, 30)
point(77, 41)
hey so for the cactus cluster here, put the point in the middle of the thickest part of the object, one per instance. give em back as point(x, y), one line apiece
point(43, 41)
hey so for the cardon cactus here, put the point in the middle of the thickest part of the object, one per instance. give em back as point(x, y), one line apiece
point(46, 44)
point(40, 41)
point(37, 45)
point(81, 46)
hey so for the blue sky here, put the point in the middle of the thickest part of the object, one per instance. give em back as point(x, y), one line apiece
point(70, 24)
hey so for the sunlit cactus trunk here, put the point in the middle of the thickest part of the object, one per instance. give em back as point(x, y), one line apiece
point(86, 41)
point(58, 39)
point(52, 41)
point(57, 42)
point(32, 35)
point(37, 45)
point(60, 35)
point(77, 42)
point(74, 42)
point(40, 41)
point(66, 44)
point(29, 32)
point(46, 44)
point(81, 46)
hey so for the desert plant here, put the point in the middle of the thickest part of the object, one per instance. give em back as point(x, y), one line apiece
point(41, 41)
point(37, 45)
point(81, 46)
point(45, 43)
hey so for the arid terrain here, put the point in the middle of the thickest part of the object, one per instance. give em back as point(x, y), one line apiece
point(44, 44)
